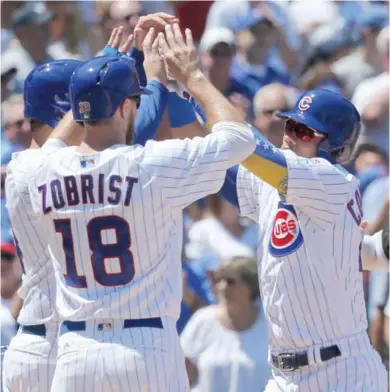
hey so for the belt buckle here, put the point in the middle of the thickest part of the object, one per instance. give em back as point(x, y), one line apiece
point(286, 362)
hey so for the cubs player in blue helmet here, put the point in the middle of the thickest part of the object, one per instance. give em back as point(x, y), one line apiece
point(112, 214)
point(30, 360)
point(309, 212)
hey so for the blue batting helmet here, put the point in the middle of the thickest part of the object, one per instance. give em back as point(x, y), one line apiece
point(334, 116)
point(46, 91)
point(101, 84)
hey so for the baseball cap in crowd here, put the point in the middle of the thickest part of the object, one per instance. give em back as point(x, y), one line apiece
point(32, 13)
point(249, 19)
point(8, 250)
point(214, 36)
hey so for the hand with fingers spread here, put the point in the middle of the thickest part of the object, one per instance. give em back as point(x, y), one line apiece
point(158, 21)
point(114, 46)
point(179, 54)
point(153, 63)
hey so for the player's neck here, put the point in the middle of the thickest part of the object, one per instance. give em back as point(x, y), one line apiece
point(99, 139)
point(40, 136)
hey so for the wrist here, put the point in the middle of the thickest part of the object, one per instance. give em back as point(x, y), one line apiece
point(194, 79)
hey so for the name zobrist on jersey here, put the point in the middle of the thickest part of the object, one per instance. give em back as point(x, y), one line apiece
point(71, 191)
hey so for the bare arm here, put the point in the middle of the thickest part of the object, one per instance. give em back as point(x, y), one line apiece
point(192, 371)
point(68, 131)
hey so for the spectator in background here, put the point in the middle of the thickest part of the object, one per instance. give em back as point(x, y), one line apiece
point(321, 76)
point(10, 282)
point(16, 134)
point(8, 72)
point(123, 13)
point(268, 100)
point(216, 50)
point(364, 62)
point(371, 99)
point(370, 163)
point(7, 10)
point(218, 341)
point(251, 68)
point(68, 30)
point(31, 26)
point(218, 232)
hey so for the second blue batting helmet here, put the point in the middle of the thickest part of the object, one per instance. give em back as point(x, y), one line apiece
point(334, 116)
point(46, 91)
point(101, 84)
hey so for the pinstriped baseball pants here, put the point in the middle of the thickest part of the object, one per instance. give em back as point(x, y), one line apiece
point(111, 358)
point(30, 361)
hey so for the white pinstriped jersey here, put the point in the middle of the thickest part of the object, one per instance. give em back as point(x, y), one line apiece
point(38, 288)
point(308, 256)
point(114, 220)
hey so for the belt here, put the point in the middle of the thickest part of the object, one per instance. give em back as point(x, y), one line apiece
point(288, 362)
point(39, 330)
point(77, 326)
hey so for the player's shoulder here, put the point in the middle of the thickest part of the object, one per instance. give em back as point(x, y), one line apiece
point(24, 163)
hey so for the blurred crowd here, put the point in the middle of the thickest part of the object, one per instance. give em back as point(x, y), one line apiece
point(261, 55)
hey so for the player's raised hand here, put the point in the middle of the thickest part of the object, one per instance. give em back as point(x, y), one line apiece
point(179, 54)
point(114, 41)
point(158, 21)
point(153, 64)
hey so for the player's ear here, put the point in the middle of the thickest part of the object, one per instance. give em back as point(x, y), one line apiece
point(125, 108)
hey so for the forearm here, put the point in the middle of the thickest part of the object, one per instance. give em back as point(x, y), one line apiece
point(68, 131)
point(381, 220)
point(373, 253)
point(216, 107)
point(150, 113)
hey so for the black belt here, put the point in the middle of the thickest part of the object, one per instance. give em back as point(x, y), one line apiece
point(288, 362)
point(39, 330)
point(76, 326)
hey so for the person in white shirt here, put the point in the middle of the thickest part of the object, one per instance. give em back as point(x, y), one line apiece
point(225, 345)
point(218, 233)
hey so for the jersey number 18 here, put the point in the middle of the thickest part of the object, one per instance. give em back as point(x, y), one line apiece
point(100, 252)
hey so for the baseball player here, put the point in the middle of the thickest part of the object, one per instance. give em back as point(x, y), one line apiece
point(29, 362)
point(309, 213)
point(113, 219)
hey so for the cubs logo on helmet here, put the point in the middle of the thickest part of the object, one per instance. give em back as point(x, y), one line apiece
point(286, 236)
point(305, 103)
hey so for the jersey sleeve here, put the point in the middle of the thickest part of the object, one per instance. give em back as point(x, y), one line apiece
point(317, 187)
point(248, 188)
point(187, 170)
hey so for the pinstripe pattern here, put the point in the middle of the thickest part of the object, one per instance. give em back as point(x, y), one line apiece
point(29, 362)
point(314, 295)
point(169, 176)
point(136, 360)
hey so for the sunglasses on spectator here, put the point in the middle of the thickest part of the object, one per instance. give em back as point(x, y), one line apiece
point(271, 112)
point(222, 51)
point(302, 132)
